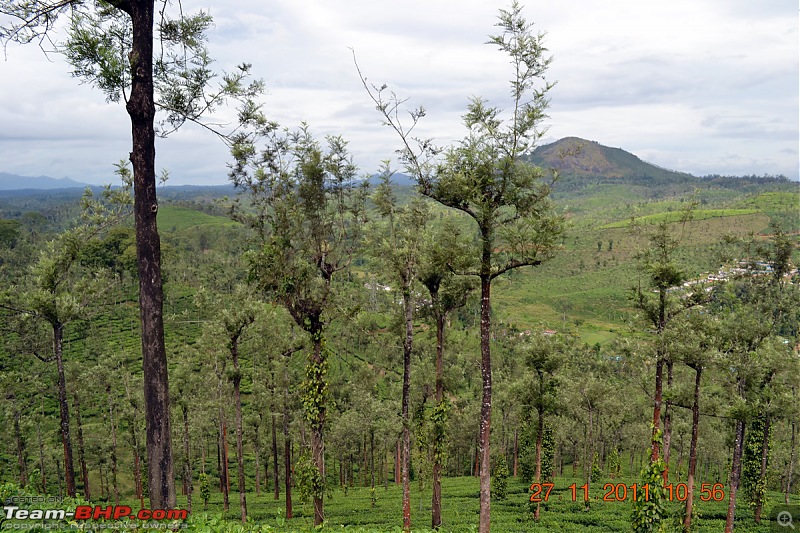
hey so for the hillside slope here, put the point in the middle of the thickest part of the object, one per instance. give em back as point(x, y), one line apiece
point(575, 158)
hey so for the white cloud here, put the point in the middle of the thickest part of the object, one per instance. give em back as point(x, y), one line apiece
point(684, 84)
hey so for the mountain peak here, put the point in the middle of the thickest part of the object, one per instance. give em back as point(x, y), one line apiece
point(574, 157)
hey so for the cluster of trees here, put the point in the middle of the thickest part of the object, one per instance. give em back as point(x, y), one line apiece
point(307, 275)
point(561, 407)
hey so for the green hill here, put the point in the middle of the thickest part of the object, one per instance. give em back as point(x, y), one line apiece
point(578, 159)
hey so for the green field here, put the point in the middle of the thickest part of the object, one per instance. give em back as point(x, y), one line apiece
point(675, 216)
point(608, 510)
point(175, 218)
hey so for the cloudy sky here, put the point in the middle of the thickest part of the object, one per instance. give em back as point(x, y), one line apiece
point(701, 86)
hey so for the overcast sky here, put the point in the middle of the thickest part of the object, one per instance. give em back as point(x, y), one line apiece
point(700, 86)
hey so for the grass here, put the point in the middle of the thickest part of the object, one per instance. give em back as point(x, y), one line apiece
point(771, 201)
point(675, 216)
point(460, 509)
point(586, 290)
point(174, 218)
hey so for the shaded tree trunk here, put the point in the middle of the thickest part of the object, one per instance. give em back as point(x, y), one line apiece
point(659, 385)
point(736, 471)
point(655, 448)
point(687, 519)
point(223, 462)
point(41, 458)
point(438, 431)
point(21, 463)
point(81, 449)
point(257, 450)
point(187, 463)
point(589, 457)
point(141, 109)
point(113, 444)
point(486, 401)
point(667, 423)
point(790, 473)
point(287, 446)
point(66, 441)
point(516, 452)
point(237, 400)
point(408, 312)
point(275, 473)
point(316, 373)
point(763, 474)
point(537, 476)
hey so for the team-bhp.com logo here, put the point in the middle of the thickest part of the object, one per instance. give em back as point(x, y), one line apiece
point(94, 512)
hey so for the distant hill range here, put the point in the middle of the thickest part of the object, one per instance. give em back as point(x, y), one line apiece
point(11, 182)
point(579, 162)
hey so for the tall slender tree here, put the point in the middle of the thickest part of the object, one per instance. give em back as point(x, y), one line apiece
point(442, 251)
point(486, 177)
point(234, 312)
point(57, 294)
point(308, 213)
point(399, 242)
point(542, 356)
point(111, 45)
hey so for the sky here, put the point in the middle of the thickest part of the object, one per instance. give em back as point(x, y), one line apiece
point(699, 86)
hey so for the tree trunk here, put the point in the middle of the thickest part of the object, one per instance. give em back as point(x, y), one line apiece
point(66, 441)
point(59, 478)
point(486, 402)
point(660, 358)
point(237, 400)
point(223, 461)
point(275, 472)
point(317, 371)
point(667, 423)
point(408, 312)
point(365, 463)
point(287, 446)
point(113, 444)
point(788, 489)
point(81, 449)
point(516, 452)
point(439, 429)
point(687, 519)
point(21, 463)
point(41, 458)
point(187, 463)
point(141, 108)
point(657, 409)
point(257, 450)
point(537, 475)
point(763, 475)
point(590, 458)
point(736, 470)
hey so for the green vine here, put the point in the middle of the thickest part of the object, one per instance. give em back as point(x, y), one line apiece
point(500, 478)
point(438, 417)
point(205, 489)
point(755, 487)
point(548, 451)
point(614, 464)
point(315, 387)
point(597, 472)
point(649, 513)
point(308, 480)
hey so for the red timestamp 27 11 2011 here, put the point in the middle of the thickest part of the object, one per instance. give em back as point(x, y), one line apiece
point(620, 492)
